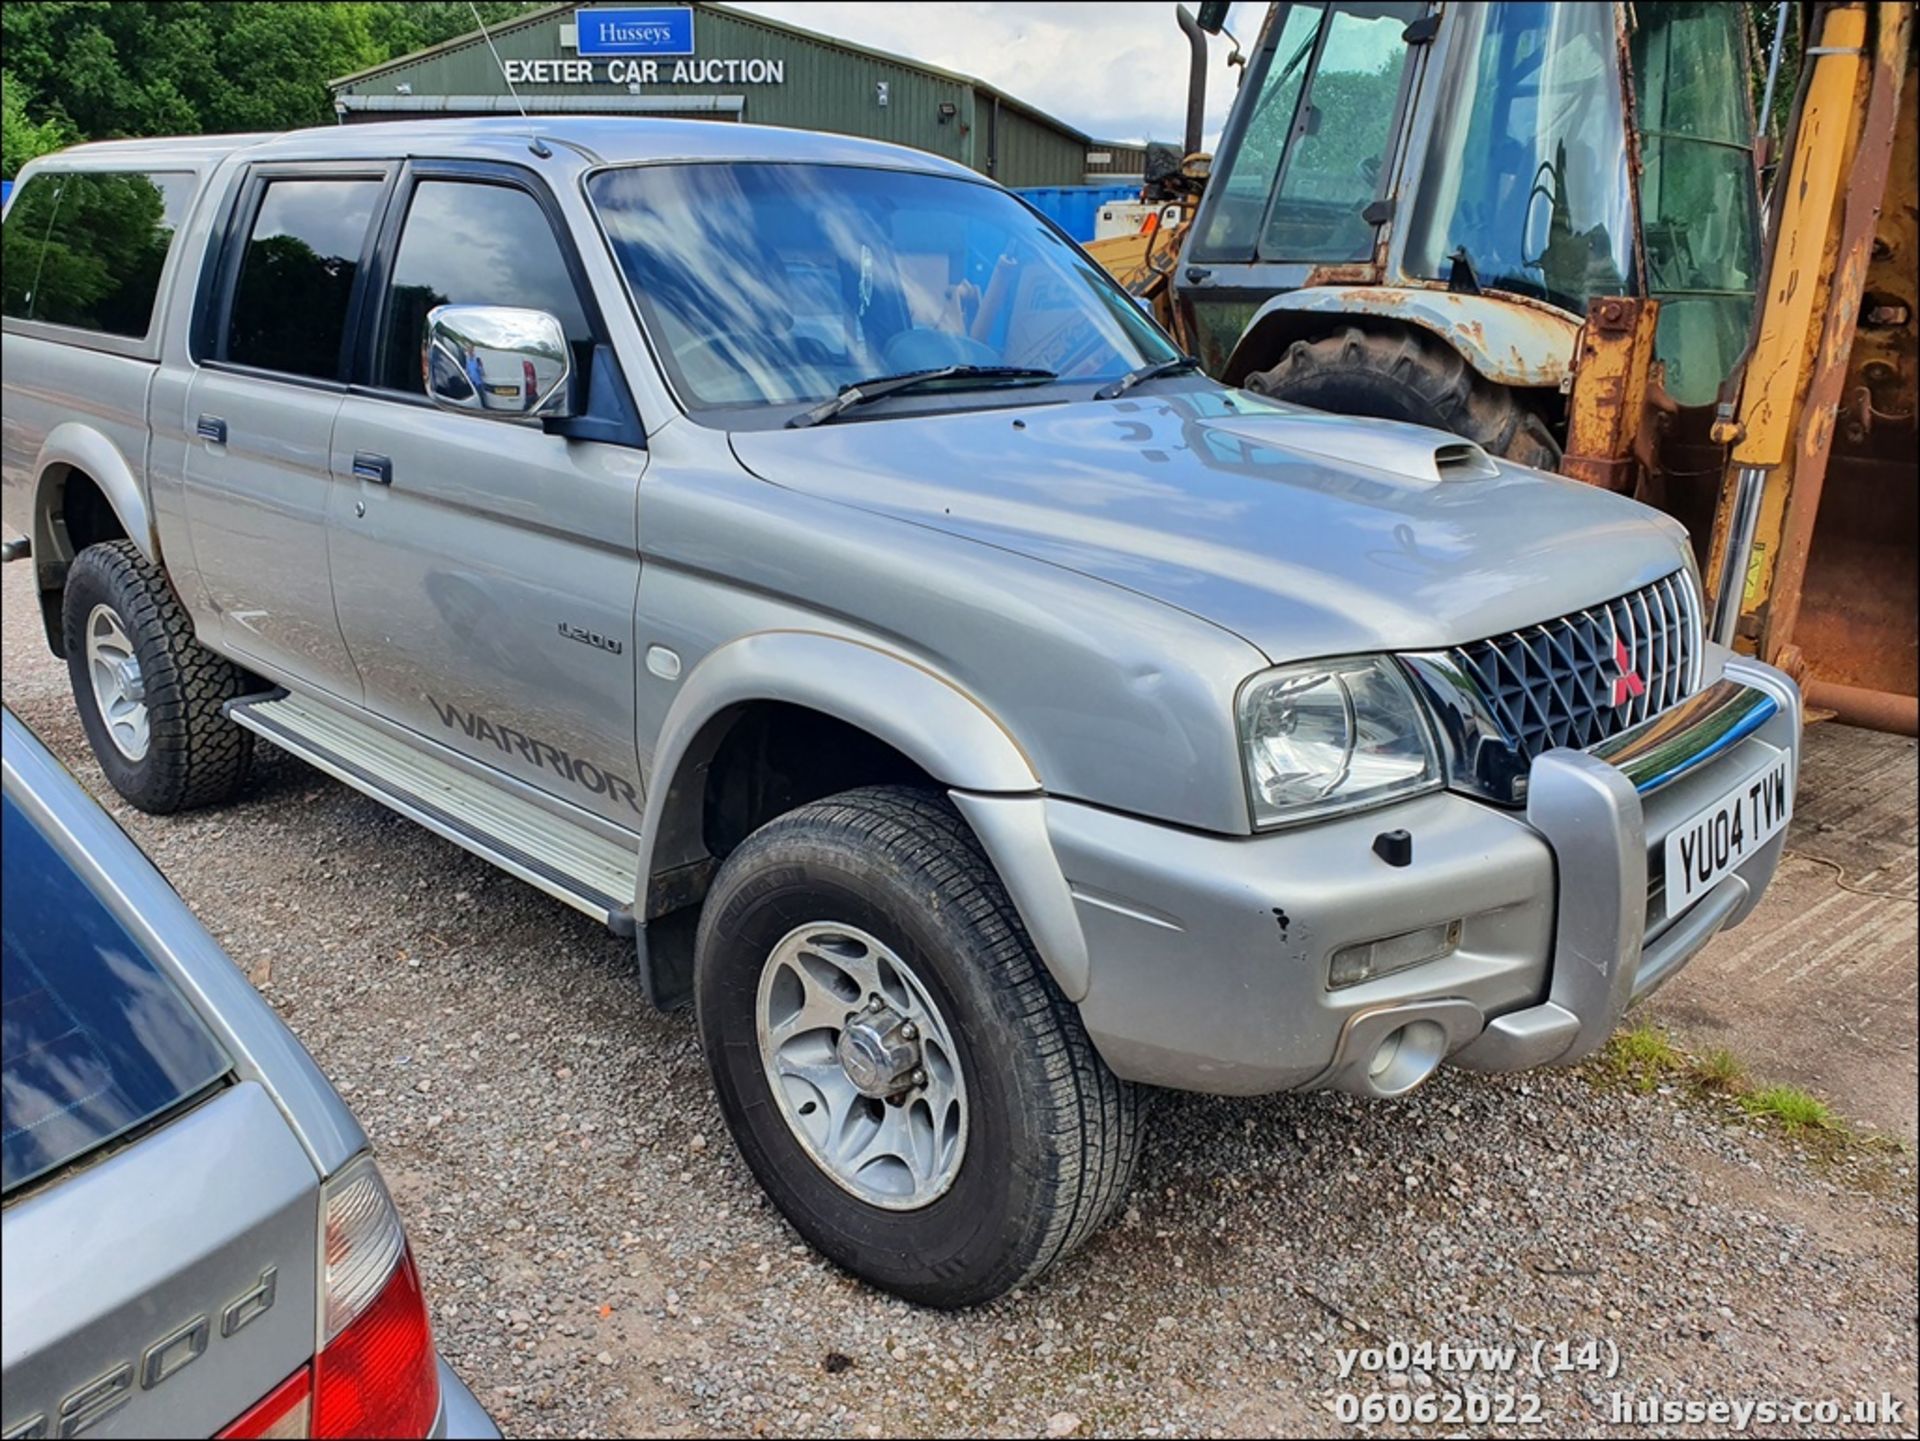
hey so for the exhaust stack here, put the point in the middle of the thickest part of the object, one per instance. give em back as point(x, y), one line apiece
point(1196, 80)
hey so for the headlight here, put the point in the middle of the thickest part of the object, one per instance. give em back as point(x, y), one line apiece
point(1332, 736)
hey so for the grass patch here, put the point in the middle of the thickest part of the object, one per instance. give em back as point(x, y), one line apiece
point(1642, 1057)
point(1792, 1107)
point(1720, 1070)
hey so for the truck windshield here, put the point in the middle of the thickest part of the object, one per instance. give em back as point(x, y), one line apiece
point(96, 1040)
point(1699, 200)
point(1526, 176)
point(768, 285)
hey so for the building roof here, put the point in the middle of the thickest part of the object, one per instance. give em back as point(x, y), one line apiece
point(780, 27)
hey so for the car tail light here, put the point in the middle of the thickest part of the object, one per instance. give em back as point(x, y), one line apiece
point(376, 1373)
point(527, 375)
point(283, 1411)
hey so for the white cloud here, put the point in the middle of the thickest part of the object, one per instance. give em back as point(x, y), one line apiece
point(1116, 70)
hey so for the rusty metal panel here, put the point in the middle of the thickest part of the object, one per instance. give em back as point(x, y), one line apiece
point(1830, 587)
point(1800, 266)
point(1804, 242)
point(1612, 361)
point(1508, 339)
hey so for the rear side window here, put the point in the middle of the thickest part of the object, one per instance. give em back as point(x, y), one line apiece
point(94, 1040)
point(472, 244)
point(85, 248)
point(297, 273)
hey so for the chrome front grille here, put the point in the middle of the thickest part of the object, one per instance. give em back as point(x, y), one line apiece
point(1583, 677)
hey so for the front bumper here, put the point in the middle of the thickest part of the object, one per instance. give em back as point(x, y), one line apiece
point(1202, 960)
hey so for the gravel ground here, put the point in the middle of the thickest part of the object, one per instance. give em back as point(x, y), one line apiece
point(600, 1262)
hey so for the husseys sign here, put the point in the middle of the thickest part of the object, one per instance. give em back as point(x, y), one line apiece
point(639, 47)
point(634, 32)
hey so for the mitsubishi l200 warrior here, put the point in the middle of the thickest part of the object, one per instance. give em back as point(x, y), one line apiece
point(792, 552)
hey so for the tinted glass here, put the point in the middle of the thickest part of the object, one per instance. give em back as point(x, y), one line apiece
point(1332, 168)
point(86, 248)
point(774, 284)
point(93, 1039)
point(290, 306)
point(469, 244)
point(1698, 194)
point(1527, 170)
point(1238, 191)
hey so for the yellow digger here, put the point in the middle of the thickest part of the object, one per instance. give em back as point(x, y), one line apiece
point(1540, 226)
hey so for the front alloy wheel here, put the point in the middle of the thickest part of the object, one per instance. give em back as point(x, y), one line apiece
point(895, 1063)
point(862, 1066)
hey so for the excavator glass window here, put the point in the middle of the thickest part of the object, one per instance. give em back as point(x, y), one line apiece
point(1698, 193)
point(1526, 186)
point(1310, 157)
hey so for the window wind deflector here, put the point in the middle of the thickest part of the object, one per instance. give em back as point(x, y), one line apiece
point(1114, 389)
point(879, 386)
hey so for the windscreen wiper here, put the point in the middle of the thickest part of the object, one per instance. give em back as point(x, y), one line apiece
point(1146, 372)
point(862, 391)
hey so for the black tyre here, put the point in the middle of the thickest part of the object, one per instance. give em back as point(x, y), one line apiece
point(1413, 376)
point(1022, 1141)
point(149, 693)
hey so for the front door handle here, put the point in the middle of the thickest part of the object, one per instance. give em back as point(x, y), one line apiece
point(376, 468)
point(1198, 275)
point(213, 428)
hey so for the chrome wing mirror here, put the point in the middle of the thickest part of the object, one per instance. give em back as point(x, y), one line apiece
point(499, 361)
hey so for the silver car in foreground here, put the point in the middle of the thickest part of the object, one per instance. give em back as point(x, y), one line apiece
point(197, 1242)
point(791, 552)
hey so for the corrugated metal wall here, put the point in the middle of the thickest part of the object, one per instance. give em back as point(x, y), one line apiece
point(1026, 151)
point(826, 87)
point(1122, 159)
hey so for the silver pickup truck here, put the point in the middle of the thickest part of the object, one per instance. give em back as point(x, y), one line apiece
point(791, 552)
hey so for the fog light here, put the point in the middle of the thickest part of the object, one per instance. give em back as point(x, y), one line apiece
point(1372, 959)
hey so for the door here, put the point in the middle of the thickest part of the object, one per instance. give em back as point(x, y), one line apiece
point(261, 411)
point(485, 571)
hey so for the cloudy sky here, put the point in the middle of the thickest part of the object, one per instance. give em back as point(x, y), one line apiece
point(1116, 70)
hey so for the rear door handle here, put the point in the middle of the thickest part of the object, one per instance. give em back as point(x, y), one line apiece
point(213, 428)
point(376, 468)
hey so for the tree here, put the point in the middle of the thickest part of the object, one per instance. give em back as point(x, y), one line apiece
point(23, 136)
point(97, 69)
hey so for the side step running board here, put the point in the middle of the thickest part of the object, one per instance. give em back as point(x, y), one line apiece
point(567, 861)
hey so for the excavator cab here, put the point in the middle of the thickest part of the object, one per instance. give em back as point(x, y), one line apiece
point(1416, 207)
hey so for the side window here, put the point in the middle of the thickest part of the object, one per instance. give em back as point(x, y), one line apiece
point(85, 248)
point(471, 243)
point(296, 276)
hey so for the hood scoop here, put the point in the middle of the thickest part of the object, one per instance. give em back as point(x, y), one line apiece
point(1411, 451)
point(1462, 460)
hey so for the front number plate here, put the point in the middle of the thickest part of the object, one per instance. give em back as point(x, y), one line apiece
point(1714, 841)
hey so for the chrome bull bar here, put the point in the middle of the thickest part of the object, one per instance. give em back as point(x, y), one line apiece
point(1590, 808)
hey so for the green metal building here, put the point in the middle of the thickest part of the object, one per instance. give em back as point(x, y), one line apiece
point(716, 62)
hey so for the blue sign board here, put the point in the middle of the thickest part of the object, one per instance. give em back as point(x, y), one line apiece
point(661, 31)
